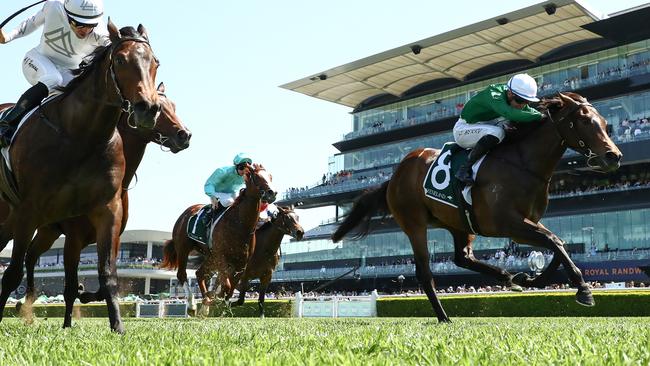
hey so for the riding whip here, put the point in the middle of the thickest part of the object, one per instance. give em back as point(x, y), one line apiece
point(18, 12)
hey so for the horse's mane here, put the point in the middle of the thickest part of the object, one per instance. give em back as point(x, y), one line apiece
point(90, 62)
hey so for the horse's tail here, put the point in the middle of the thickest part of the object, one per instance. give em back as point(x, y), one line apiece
point(170, 257)
point(371, 203)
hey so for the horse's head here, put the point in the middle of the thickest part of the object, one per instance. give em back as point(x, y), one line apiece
point(258, 183)
point(170, 131)
point(584, 130)
point(286, 221)
point(133, 68)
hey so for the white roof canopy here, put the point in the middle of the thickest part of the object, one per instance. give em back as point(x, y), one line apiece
point(526, 34)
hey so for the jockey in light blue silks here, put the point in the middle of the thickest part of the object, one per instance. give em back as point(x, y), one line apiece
point(224, 185)
point(72, 30)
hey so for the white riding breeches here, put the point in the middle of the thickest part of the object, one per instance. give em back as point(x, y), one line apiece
point(468, 134)
point(39, 68)
point(226, 199)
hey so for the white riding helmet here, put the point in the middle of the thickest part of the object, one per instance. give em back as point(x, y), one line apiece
point(524, 86)
point(85, 12)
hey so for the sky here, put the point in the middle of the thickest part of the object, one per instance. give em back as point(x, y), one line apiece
point(222, 64)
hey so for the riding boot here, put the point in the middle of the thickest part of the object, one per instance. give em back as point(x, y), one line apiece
point(483, 146)
point(29, 100)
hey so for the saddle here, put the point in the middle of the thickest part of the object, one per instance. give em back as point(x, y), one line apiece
point(199, 226)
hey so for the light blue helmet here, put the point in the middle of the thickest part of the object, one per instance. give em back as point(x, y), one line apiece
point(242, 158)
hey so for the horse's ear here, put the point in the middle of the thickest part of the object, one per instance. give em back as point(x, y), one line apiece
point(566, 101)
point(161, 87)
point(143, 31)
point(113, 32)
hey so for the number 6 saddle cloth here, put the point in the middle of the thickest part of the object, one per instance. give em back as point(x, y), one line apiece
point(440, 183)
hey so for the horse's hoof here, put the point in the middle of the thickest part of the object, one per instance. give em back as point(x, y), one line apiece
point(19, 305)
point(207, 301)
point(86, 297)
point(444, 321)
point(585, 298)
point(516, 288)
point(521, 279)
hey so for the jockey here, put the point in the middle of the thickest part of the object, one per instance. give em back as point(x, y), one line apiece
point(510, 101)
point(72, 30)
point(224, 184)
point(267, 212)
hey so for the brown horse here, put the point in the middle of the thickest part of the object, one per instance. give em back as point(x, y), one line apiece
point(68, 158)
point(233, 239)
point(266, 254)
point(509, 197)
point(169, 132)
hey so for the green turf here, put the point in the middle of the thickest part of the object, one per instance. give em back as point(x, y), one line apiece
point(467, 341)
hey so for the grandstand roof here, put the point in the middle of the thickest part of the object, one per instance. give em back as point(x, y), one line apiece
point(523, 35)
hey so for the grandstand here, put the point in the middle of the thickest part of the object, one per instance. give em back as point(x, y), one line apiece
point(411, 96)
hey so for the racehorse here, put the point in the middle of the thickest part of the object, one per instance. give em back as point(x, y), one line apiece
point(509, 197)
point(262, 262)
point(79, 232)
point(68, 158)
point(265, 256)
point(232, 237)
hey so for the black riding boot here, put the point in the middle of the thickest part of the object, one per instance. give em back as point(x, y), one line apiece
point(483, 146)
point(30, 99)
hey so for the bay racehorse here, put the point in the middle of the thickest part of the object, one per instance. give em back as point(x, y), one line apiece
point(79, 232)
point(509, 197)
point(266, 254)
point(68, 158)
point(232, 238)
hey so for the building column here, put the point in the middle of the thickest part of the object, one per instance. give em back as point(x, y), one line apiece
point(147, 285)
point(149, 249)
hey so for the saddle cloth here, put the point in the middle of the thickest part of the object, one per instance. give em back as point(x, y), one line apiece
point(200, 225)
point(440, 183)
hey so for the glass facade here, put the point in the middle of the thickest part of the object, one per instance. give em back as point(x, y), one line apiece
point(623, 230)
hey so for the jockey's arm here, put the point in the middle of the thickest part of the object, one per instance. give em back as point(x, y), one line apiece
point(28, 26)
point(525, 115)
point(211, 183)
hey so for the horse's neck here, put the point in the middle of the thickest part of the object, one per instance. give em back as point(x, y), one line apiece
point(542, 149)
point(134, 148)
point(248, 209)
point(269, 240)
point(94, 117)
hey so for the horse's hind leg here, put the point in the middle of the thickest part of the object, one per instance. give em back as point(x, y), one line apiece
point(464, 257)
point(536, 234)
point(243, 286)
point(418, 238)
point(264, 284)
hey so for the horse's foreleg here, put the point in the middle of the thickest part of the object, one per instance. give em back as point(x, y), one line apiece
point(464, 257)
point(71, 254)
point(243, 286)
point(43, 241)
point(264, 284)
point(13, 275)
point(107, 221)
point(543, 279)
point(201, 275)
point(536, 234)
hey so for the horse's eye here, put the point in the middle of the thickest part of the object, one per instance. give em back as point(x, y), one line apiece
point(120, 59)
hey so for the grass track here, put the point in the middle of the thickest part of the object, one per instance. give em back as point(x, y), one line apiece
point(467, 341)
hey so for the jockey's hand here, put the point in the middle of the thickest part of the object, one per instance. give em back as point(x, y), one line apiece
point(214, 201)
point(3, 39)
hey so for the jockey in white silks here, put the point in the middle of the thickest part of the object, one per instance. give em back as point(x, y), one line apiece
point(72, 30)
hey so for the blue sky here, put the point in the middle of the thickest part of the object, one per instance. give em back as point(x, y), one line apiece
point(222, 65)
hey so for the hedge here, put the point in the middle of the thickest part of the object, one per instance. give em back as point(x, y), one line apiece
point(272, 308)
point(631, 303)
point(540, 304)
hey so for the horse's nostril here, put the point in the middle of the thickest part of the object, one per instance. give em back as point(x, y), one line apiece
point(612, 156)
point(182, 135)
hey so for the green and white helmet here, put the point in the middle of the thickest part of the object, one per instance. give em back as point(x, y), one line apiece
point(242, 158)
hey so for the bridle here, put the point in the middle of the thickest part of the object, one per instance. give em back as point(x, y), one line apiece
point(262, 192)
point(582, 147)
point(125, 104)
